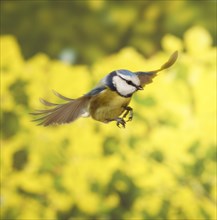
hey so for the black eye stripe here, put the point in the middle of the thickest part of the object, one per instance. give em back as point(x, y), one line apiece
point(128, 82)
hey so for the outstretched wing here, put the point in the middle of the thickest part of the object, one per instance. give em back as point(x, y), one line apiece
point(146, 77)
point(66, 112)
point(61, 113)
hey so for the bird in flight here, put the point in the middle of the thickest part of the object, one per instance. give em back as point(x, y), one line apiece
point(107, 102)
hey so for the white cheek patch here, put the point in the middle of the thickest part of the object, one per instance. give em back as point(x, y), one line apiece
point(132, 78)
point(122, 87)
point(136, 81)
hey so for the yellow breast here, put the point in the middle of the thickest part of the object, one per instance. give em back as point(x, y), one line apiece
point(107, 105)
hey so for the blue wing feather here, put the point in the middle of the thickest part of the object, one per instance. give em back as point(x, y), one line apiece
point(96, 90)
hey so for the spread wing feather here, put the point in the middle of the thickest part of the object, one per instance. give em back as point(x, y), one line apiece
point(146, 77)
point(61, 113)
point(61, 96)
point(66, 112)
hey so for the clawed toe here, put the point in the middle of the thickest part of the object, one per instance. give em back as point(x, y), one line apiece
point(128, 110)
point(121, 123)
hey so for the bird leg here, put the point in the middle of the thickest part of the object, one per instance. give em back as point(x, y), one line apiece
point(128, 110)
point(120, 122)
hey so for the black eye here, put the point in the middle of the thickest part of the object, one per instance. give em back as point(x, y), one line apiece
point(129, 82)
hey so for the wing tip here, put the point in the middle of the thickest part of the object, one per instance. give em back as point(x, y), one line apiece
point(172, 59)
point(174, 56)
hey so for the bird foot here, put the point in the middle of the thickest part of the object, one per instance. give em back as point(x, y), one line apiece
point(120, 122)
point(128, 110)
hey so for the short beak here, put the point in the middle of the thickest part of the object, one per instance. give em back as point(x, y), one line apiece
point(139, 88)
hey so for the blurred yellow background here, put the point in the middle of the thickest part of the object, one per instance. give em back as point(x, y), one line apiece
point(162, 166)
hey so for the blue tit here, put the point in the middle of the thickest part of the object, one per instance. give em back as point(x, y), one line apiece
point(107, 102)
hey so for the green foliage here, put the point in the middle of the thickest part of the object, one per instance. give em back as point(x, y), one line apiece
point(162, 166)
point(95, 28)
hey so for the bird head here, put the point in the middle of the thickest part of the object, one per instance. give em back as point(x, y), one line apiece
point(124, 82)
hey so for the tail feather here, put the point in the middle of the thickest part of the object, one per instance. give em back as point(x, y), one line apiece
point(61, 113)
